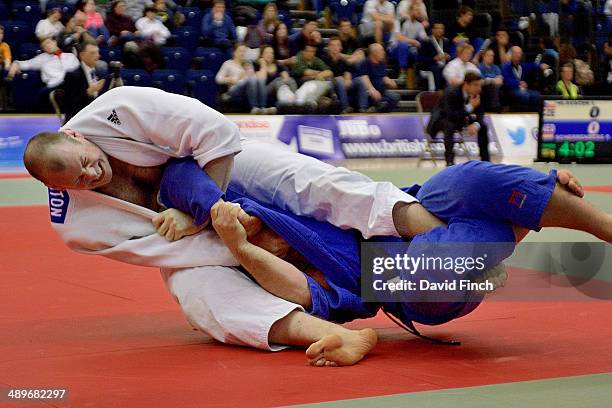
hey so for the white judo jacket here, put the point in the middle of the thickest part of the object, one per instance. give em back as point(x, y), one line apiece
point(143, 127)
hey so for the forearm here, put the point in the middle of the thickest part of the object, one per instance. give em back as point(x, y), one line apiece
point(274, 274)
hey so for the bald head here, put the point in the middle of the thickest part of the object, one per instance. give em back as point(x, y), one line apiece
point(66, 161)
point(516, 55)
point(376, 52)
point(39, 157)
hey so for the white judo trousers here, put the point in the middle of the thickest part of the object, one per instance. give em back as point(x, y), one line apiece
point(226, 304)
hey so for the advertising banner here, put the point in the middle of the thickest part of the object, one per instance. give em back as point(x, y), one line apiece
point(15, 131)
point(321, 136)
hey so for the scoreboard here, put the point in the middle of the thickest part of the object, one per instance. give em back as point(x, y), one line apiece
point(575, 131)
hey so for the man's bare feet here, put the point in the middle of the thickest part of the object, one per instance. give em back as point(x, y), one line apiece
point(342, 349)
point(567, 179)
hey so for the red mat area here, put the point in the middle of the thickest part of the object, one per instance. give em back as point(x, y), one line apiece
point(599, 189)
point(111, 334)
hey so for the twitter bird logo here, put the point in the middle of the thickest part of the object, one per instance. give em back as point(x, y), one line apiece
point(518, 136)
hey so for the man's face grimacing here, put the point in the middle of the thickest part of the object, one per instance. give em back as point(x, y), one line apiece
point(82, 165)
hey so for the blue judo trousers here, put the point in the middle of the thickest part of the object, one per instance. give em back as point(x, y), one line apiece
point(478, 200)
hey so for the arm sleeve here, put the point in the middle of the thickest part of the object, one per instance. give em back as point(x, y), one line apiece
point(456, 108)
point(509, 79)
point(320, 65)
point(298, 68)
point(186, 187)
point(180, 125)
point(207, 27)
point(31, 64)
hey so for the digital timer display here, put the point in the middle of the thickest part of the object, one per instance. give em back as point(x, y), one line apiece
point(576, 131)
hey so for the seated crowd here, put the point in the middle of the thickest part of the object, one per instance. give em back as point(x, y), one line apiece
point(263, 64)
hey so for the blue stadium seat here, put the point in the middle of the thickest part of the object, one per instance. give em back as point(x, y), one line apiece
point(193, 16)
point(28, 51)
point(210, 59)
point(110, 54)
point(285, 17)
point(203, 86)
point(136, 77)
point(340, 11)
point(170, 80)
point(67, 9)
point(17, 33)
point(176, 58)
point(25, 88)
point(4, 11)
point(28, 11)
point(187, 37)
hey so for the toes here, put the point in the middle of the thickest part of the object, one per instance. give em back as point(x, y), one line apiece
point(320, 362)
point(563, 177)
point(315, 350)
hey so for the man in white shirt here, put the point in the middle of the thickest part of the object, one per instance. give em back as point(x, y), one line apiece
point(150, 27)
point(455, 70)
point(51, 26)
point(378, 19)
point(52, 64)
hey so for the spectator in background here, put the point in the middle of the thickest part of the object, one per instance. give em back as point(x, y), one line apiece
point(351, 50)
point(120, 26)
point(5, 52)
point(405, 44)
point(492, 82)
point(239, 77)
point(74, 33)
point(268, 23)
point(218, 28)
point(517, 75)
point(82, 85)
point(312, 74)
point(378, 19)
point(281, 44)
point(5, 64)
point(460, 31)
point(460, 108)
point(163, 14)
point(276, 77)
point(501, 47)
point(565, 87)
point(435, 53)
point(52, 64)
point(607, 67)
point(306, 36)
point(454, 72)
point(150, 27)
point(50, 26)
point(94, 23)
point(342, 79)
point(135, 8)
point(403, 11)
point(373, 94)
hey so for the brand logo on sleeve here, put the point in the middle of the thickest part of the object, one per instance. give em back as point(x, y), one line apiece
point(517, 198)
point(114, 118)
point(58, 205)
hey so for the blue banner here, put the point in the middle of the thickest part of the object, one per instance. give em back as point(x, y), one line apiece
point(15, 131)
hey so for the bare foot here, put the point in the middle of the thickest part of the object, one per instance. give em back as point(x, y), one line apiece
point(346, 348)
point(567, 179)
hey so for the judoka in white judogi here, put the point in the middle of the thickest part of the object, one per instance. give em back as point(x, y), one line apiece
point(146, 127)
